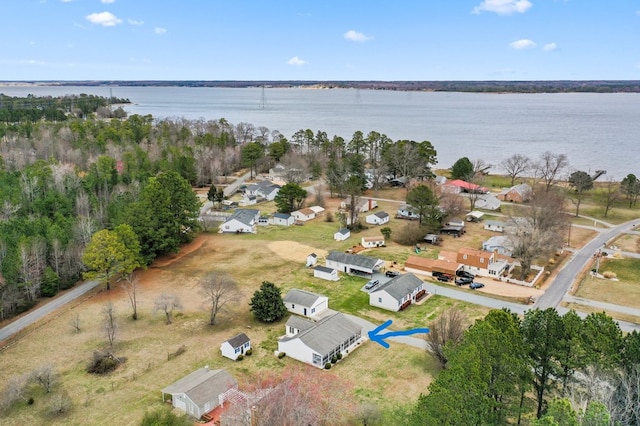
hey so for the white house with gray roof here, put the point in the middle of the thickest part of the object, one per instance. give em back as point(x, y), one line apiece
point(282, 219)
point(236, 346)
point(325, 273)
point(305, 303)
point(241, 221)
point(353, 264)
point(342, 234)
point(397, 293)
point(201, 391)
point(377, 218)
point(315, 343)
point(495, 225)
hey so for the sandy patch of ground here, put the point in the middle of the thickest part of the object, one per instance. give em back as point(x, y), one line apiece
point(294, 251)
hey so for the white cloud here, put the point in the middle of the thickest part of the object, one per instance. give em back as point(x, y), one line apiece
point(134, 22)
point(296, 61)
point(522, 44)
point(356, 36)
point(107, 1)
point(106, 19)
point(550, 47)
point(159, 30)
point(503, 7)
point(66, 1)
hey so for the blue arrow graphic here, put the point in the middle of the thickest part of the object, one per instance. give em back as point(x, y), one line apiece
point(375, 335)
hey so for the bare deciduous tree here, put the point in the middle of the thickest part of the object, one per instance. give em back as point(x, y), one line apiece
point(549, 167)
point(167, 303)
point(109, 324)
point(218, 289)
point(75, 323)
point(130, 286)
point(60, 403)
point(45, 376)
point(448, 328)
point(609, 194)
point(515, 166)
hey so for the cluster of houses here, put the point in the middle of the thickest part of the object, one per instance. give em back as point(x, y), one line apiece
point(247, 220)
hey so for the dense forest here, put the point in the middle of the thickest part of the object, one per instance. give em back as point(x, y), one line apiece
point(495, 86)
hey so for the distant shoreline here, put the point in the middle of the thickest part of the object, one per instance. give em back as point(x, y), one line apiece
point(556, 86)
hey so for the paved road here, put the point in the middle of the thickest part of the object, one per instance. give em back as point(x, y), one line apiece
point(475, 298)
point(232, 188)
point(367, 326)
point(45, 310)
point(564, 279)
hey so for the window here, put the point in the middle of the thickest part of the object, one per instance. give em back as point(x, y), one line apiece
point(482, 260)
point(313, 310)
point(379, 299)
point(464, 256)
point(293, 306)
point(237, 350)
point(292, 330)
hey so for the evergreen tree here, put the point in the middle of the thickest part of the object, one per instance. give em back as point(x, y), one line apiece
point(266, 303)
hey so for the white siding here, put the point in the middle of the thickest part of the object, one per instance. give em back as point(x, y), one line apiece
point(383, 300)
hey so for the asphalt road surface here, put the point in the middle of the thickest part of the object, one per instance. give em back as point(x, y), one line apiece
point(39, 313)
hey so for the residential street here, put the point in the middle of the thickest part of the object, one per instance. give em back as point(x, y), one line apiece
point(37, 314)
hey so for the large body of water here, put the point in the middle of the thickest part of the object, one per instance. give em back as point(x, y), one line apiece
point(595, 131)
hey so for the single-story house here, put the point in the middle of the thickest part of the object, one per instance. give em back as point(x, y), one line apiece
point(325, 273)
point(283, 219)
point(237, 345)
point(316, 343)
point(241, 221)
point(312, 259)
point(378, 218)
point(363, 205)
point(372, 242)
point(424, 266)
point(353, 264)
point(488, 202)
point(483, 263)
point(495, 225)
point(201, 391)
point(516, 194)
point(474, 216)
point(406, 212)
point(305, 303)
point(397, 293)
point(263, 190)
point(249, 200)
point(304, 215)
point(500, 244)
point(342, 234)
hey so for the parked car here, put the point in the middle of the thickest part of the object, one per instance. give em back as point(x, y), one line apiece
point(465, 274)
point(463, 281)
point(475, 285)
point(371, 284)
point(391, 274)
point(444, 278)
point(437, 274)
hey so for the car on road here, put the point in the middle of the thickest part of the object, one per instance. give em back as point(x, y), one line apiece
point(371, 284)
point(475, 285)
point(465, 274)
point(463, 281)
point(391, 274)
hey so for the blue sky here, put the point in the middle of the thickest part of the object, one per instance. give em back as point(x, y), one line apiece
point(320, 40)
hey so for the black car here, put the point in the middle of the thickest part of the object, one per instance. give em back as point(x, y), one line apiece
point(444, 278)
point(391, 274)
point(474, 285)
point(463, 281)
point(465, 274)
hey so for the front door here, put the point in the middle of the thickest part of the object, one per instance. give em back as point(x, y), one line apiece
point(305, 312)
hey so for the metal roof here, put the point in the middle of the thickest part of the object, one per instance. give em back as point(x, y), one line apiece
point(353, 259)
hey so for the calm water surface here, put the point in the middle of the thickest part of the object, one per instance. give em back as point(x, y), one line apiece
point(595, 131)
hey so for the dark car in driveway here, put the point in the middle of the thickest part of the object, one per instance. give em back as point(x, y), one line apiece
point(465, 274)
point(391, 274)
point(475, 285)
point(463, 281)
point(444, 278)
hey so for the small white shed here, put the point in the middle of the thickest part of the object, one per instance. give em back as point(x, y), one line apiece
point(312, 259)
point(325, 273)
point(342, 234)
point(236, 346)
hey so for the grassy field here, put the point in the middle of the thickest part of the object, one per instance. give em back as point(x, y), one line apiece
point(623, 291)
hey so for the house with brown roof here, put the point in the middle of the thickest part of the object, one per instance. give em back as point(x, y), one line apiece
point(483, 263)
point(304, 215)
point(425, 266)
point(372, 242)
